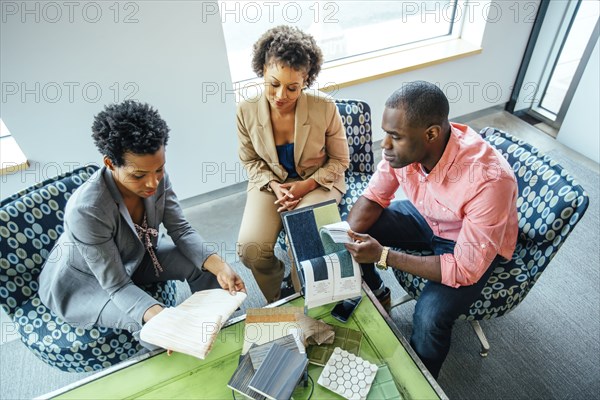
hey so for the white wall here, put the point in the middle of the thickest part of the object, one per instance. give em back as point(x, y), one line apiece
point(579, 129)
point(167, 56)
point(170, 55)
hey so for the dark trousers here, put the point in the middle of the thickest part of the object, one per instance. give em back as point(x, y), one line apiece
point(438, 306)
point(176, 266)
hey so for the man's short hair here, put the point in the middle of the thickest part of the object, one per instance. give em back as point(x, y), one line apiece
point(423, 103)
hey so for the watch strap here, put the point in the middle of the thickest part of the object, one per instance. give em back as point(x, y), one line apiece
point(382, 263)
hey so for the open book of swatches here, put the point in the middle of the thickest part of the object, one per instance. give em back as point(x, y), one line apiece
point(327, 272)
point(192, 326)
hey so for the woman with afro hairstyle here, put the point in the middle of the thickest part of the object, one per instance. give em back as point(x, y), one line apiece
point(292, 144)
point(110, 245)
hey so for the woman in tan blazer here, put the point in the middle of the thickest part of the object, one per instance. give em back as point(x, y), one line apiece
point(292, 144)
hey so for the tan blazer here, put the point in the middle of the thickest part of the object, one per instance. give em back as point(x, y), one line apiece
point(320, 144)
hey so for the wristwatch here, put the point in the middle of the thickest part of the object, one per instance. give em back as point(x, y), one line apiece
point(382, 263)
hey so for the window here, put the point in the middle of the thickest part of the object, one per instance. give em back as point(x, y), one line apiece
point(12, 158)
point(565, 38)
point(572, 49)
point(345, 30)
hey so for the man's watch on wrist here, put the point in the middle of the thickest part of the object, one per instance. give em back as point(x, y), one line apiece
point(382, 263)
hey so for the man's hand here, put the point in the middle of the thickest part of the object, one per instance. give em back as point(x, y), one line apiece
point(365, 248)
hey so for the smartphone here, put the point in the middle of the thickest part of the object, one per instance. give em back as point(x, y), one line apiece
point(345, 308)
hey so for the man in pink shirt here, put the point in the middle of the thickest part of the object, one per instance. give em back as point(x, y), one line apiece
point(461, 205)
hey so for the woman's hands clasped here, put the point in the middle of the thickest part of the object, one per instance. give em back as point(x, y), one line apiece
point(290, 194)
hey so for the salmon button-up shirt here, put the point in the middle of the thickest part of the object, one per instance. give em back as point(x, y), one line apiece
point(469, 197)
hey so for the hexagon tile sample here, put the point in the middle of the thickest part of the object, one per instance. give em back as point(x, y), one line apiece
point(348, 375)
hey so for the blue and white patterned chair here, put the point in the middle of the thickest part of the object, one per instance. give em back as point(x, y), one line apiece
point(31, 221)
point(356, 118)
point(550, 204)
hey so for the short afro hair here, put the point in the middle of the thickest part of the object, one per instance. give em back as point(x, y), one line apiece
point(423, 103)
point(291, 47)
point(128, 127)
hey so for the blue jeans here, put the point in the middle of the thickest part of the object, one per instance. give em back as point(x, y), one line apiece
point(438, 306)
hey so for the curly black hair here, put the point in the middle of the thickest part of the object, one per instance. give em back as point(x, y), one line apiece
point(424, 104)
point(128, 127)
point(289, 46)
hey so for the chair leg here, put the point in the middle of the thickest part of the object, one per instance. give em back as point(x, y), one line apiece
point(485, 346)
point(404, 299)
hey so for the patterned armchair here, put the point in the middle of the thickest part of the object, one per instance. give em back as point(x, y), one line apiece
point(550, 203)
point(356, 118)
point(32, 220)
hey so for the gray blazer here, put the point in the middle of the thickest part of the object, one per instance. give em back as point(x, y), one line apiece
point(98, 252)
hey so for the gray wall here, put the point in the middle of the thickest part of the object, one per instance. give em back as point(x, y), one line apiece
point(172, 55)
point(160, 53)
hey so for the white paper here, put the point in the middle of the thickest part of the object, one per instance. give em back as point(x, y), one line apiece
point(332, 289)
point(339, 232)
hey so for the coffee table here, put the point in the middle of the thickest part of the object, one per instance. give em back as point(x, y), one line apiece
point(157, 375)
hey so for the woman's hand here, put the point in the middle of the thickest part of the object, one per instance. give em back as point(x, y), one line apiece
point(230, 280)
point(290, 194)
point(152, 312)
point(226, 276)
point(299, 189)
point(285, 200)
